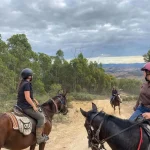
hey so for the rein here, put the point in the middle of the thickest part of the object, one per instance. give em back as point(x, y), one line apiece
point(57, 111)
point(55, 106)
point(101, 142)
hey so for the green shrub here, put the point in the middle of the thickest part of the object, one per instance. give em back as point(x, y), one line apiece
point(59, 118)
point(83, 96)
point(129, 98)
point(7, 105)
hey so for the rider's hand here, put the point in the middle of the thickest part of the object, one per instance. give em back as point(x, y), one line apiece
point(35, 108)
point(146, 115)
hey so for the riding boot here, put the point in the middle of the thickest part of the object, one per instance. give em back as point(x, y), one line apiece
point(39, 137)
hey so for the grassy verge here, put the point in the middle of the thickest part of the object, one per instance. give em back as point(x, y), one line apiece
point(85, 96)
point(7, 105)
point(129, 98)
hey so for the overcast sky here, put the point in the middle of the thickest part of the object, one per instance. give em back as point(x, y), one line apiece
point(93, 27)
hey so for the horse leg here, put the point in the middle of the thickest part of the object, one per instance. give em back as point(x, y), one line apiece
point(42, 146)
point(32, 147)
point(119, 109)
point(114, 108)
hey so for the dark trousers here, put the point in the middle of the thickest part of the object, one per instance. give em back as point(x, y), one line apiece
point(39, 116)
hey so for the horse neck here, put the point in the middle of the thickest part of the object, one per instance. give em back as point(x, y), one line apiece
point(113, 125)
point(49, 110)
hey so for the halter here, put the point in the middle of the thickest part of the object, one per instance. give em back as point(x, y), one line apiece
point(56, 107)
point(63, 103)
point(100, 143)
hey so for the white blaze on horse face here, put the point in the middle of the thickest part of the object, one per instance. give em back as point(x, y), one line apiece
point(92, 128)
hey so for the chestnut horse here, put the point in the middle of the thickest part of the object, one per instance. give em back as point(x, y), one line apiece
point(120, 134)
point(14, 140)
point(116, 102)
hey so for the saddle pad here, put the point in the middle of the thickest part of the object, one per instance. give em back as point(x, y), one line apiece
point(14, 121)
point(22, 123)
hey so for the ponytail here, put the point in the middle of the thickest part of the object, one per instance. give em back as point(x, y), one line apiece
point(19, 84)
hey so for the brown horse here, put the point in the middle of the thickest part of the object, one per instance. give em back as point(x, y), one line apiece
point(14, 140)
point(116, 102)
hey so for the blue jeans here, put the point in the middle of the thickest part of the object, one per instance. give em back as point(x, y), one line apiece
point(140, 110)
point(112, 98)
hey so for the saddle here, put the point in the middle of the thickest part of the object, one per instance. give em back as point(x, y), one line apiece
point(21, 121)
point(145, 125)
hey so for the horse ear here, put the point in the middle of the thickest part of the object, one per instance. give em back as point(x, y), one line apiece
point(94, 107)
point(58, 92)
point(64, 92)
point(84, 113)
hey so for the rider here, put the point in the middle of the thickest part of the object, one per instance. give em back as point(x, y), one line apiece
point(143, 103)
point(29, 105)
point(114, 93)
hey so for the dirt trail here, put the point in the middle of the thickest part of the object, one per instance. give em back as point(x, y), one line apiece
point(72, 135)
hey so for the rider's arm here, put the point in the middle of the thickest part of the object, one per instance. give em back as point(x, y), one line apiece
point(36, 102)
point(27, 90)
point(138, 101)
point(137, 104)
point(112, 92)
point(28, 98)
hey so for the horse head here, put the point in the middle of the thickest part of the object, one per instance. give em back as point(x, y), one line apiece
point(92, 124)
point(57, 104)
point(61, 102)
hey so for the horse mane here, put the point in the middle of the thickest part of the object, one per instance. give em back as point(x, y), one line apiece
point(120, 122)
point(49, 102)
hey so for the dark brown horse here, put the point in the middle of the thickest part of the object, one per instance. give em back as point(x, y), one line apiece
point(116, 102)
point(120, 134)
point(14, 140)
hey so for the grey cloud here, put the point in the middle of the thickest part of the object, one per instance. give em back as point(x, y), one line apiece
point(102, 26)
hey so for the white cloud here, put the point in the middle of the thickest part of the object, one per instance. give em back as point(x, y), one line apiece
point(118, 60)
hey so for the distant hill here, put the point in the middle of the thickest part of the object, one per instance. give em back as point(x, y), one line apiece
point(124, 70)
point(133, 65)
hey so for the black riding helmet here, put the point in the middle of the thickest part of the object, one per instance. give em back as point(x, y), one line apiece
point(25, 73)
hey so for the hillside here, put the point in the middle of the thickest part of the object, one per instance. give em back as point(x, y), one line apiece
point(124, 70)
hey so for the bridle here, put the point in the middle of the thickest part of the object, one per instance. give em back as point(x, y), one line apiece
point(57, 111)
point(94, 136)
point(63, 104)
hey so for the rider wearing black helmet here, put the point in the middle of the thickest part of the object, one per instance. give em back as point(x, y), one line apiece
point(28, 104)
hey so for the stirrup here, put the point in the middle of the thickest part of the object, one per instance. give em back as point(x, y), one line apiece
point(46, 137)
